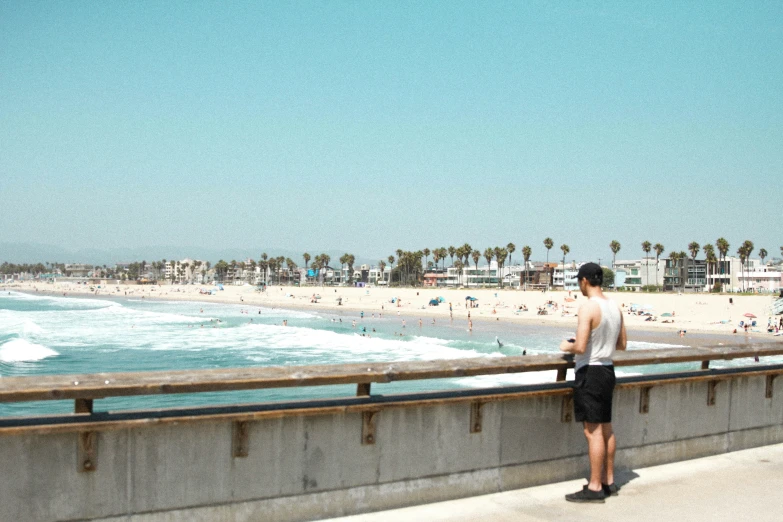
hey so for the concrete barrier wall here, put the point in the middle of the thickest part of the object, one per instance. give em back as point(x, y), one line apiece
point(309, 467)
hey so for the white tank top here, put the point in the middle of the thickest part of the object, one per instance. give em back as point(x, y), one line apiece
point(603, 339)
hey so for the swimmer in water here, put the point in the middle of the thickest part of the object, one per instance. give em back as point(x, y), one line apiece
point(500, 345)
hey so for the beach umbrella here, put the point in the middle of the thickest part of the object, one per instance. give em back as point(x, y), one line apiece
point(433, 302)
point(667, 314)
point(750, 315)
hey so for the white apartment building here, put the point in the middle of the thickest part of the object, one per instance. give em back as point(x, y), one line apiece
point(761, 279)
point(637, 273)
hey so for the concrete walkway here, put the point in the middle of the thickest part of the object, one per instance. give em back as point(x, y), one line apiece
point(743, 485)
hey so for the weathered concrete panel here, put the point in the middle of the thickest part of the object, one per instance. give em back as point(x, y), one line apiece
point(677, 411)
point(421, 442)
point(532, 431)
point(40, 480)
point(749, 406)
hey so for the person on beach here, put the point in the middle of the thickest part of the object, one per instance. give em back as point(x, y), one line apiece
point(600, 331)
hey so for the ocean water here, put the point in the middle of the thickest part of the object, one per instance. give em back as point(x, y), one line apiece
point(64, 335)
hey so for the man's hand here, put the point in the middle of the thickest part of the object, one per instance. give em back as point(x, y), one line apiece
point(568, 345)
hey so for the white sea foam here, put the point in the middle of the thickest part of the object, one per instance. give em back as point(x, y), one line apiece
point(653, 346)
point(63, 302)
point(21, 350)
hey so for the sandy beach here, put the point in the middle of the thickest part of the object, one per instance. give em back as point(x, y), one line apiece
point(718, 314)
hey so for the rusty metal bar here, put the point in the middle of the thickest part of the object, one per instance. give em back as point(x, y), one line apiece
point(567, 408)
point(476, 416)
point(644, 399)
point(240, 439)
point(368, 427)
point(87, 451)
point(711, 392)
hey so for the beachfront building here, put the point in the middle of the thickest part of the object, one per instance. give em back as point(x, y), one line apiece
point(685, 275)
point(185, 271)
point(77, 270)
point(564, 277)
point(762, 279)
point(638, 273)
point(728, 273)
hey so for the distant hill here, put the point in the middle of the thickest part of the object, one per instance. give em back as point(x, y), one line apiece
point(34, 253)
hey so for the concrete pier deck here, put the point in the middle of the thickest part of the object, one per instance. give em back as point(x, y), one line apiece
point(742, 485)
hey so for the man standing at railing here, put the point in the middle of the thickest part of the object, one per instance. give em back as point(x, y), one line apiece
point(599, 332)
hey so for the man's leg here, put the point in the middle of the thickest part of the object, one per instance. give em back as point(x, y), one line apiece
point(607, 476)
point(596, 451)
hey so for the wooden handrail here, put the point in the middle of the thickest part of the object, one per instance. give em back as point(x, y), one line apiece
point(102, 385)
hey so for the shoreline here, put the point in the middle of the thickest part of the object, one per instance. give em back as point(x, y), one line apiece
point(692, 311)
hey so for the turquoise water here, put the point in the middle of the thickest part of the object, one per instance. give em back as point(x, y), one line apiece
point(62, 335)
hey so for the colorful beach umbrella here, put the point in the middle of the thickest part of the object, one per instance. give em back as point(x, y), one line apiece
point(750, 315)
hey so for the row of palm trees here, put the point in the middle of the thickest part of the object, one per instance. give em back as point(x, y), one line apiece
point(721, 245)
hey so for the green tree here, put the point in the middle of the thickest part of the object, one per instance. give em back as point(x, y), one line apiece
point(452, 250)
point(526, 253)
point(763, 255)
point(608, 279)
point(511, 248)
point(426, 252)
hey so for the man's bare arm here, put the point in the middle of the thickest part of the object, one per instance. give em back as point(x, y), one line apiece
point(622, 339)
point(586, 319)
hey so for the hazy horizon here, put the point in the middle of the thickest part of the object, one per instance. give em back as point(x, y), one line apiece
point(364, 128)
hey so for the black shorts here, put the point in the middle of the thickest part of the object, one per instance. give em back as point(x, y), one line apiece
point(593, 389)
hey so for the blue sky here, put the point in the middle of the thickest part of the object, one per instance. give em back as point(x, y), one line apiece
point(372, 126)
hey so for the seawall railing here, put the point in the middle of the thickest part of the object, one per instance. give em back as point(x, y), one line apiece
point(308, 459)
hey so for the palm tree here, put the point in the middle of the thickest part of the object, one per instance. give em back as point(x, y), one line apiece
point(476, 255)
point(526, 253)
point(458, 266)
point(511, 248)
point(443, 251)
point(501, 254)
point(426, 252)
point(452, 250)
point(488, 255)
point(723, 248)
point(565, 250)
point(763, 254)
point(646, 247)
point(659, 249)
point(548, 243)
point(467, 250)
point(615, 247)
point(436, 256)
point(306, 257)
point(741, 252)
point(391, 267)
point(748, 246)
point(694, 247)
point(709, 256)
point(382, 266)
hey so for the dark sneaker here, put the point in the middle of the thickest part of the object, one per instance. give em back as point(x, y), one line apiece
point(587, 495)
point(610, 490)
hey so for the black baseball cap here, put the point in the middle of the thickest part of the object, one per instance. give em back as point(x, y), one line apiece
point(589, 271)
